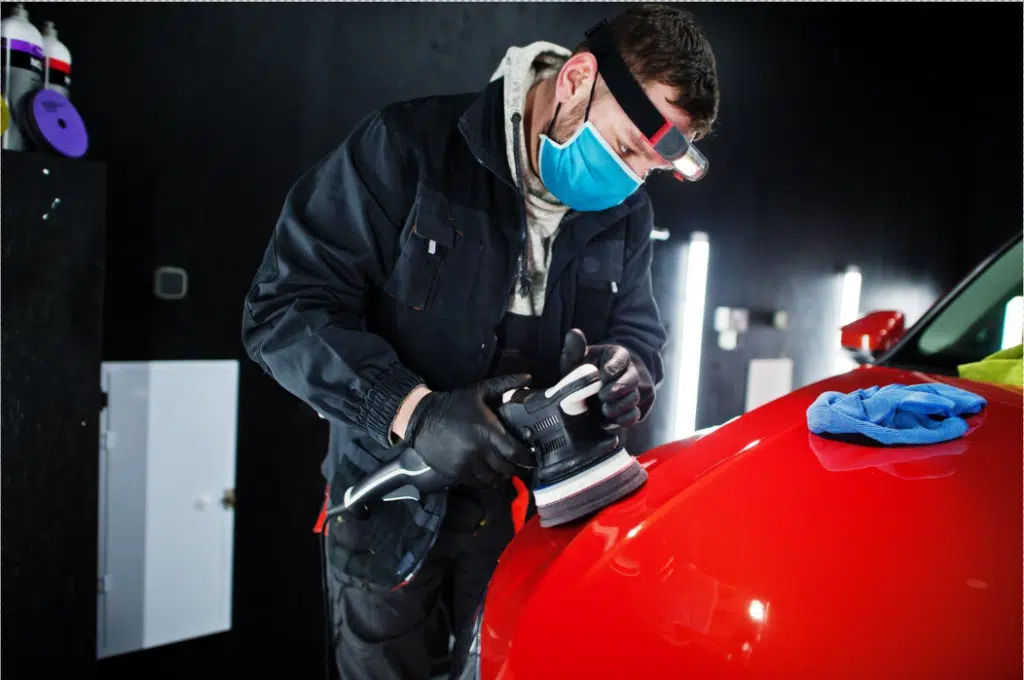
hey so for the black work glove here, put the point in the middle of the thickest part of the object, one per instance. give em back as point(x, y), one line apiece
point(461, 438)
point(620, 377)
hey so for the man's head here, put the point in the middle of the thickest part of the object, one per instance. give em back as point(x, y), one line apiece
point(668, 54)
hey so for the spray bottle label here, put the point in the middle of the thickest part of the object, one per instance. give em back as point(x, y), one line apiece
point(58, 73)
point(23, 55)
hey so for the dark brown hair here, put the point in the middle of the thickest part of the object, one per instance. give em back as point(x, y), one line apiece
point(662, 44)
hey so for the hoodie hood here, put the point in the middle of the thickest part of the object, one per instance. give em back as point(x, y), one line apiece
point(522, 68)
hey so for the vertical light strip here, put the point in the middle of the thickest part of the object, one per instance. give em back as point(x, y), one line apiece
point(849, 304)
point(693, 280)
point(1013, 323)
point(849, 311)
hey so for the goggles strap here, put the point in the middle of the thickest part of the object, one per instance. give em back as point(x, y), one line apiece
point(623, 86)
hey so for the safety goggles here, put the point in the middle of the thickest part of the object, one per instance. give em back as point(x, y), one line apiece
point(669, 141)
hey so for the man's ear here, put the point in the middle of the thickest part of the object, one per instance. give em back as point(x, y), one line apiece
point(576, 78)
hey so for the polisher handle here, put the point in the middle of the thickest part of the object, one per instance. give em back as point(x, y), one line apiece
point(522, 414)
point(575, 403)
point(406, 470)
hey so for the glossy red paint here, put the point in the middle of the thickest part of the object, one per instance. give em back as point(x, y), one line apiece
point(762, 551)
point(876, 332)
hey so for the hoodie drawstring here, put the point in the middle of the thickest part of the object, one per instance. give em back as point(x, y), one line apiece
point(524, 277)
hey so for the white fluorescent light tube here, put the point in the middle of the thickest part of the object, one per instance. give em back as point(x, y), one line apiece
point(849, 304)
point(659, 234)
point(849, 311)
point(1013, 323)
point(694, 282)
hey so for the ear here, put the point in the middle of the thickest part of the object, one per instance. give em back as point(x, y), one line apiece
point(575, 79)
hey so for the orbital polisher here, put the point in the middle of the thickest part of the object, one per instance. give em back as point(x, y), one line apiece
point(580, 466)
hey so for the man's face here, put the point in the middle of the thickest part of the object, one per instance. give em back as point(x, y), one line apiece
point(573, 91)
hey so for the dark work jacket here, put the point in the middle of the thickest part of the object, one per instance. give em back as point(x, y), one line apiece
point(352, 306)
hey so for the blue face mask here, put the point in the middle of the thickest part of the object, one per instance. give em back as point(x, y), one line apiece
point(584, 173)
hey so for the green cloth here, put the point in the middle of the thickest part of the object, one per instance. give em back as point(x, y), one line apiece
point(1004, 368)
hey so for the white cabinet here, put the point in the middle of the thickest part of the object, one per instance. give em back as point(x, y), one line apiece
point(166, 518)
point(767, 380)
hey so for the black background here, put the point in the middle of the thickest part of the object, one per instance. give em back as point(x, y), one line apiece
point(884, 135)
point(52, 278)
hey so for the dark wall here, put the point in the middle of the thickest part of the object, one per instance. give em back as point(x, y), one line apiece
point(883, 135)
point(51, 260)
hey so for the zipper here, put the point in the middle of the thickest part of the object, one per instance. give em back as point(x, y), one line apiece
point(516, 119)
point(478, 160)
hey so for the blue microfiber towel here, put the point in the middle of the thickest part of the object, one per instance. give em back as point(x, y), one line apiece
point(896, 414)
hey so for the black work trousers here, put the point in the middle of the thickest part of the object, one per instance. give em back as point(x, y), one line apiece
point(384, 634)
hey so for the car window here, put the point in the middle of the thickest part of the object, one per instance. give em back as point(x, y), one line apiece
point(983, 318)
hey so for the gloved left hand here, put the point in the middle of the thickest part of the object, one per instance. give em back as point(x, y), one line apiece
point(620, 376)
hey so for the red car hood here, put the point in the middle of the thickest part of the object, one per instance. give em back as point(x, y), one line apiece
point(761, 550)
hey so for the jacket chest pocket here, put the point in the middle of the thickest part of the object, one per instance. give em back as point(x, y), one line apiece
point(598, 276)
point(437, 266)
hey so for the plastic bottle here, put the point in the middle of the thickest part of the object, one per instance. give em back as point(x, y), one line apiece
point(57, 72)
point(21, 56)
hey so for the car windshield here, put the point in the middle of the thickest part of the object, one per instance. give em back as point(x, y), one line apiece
point(983, 317)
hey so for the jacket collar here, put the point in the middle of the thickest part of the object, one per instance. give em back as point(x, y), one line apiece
point(483, 127)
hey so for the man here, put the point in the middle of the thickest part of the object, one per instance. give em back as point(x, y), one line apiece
point(441, 256)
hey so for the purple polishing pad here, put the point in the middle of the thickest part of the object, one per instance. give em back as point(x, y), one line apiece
point(56, 123)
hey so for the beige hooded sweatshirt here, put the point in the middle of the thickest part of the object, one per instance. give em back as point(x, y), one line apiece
point(521, 68)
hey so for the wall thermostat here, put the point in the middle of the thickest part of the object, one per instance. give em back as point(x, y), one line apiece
point(170, 283)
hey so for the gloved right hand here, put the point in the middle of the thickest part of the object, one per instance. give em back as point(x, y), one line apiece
point(461, 438)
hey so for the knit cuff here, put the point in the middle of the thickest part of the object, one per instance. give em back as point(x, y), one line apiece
point(383, 399)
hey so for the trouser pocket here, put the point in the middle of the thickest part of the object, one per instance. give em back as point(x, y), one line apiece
point(385, 634)
point(351, 534)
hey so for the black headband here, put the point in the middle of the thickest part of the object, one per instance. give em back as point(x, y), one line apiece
point(623, 86)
